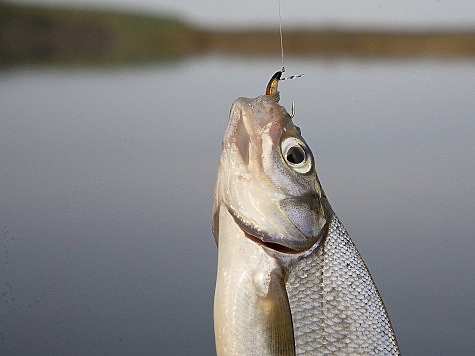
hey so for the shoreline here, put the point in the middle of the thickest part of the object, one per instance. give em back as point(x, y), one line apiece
point(31, 34)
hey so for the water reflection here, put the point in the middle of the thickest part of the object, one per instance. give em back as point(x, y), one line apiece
point(107, 180)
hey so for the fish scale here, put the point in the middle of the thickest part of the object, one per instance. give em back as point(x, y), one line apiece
point(351, 318)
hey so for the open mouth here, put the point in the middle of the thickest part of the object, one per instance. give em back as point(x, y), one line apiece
point(270, 245)
point(259, 238)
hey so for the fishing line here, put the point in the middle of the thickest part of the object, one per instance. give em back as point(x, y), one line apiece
point(282, 47)
point(281, 38)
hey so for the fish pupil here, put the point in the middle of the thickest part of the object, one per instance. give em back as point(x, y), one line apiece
point(295, 155)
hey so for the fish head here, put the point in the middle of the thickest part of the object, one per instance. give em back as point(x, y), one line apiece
point(267, 178)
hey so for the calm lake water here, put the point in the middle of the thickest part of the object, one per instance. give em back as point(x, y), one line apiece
point(107, 180)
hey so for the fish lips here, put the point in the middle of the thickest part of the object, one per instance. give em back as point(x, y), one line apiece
point(295, 227)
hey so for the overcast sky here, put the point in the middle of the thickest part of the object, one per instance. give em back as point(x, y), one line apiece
point(417, 13)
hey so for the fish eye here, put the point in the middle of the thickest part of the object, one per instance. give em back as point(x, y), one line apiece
point(295, 155)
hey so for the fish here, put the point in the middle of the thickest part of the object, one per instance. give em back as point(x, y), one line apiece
point(289, 280)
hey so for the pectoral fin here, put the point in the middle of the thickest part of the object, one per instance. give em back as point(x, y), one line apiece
point(277, 318)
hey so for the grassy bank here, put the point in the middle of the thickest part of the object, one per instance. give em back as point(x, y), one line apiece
point(34, 34)
point(351, 43)
point(38, 34)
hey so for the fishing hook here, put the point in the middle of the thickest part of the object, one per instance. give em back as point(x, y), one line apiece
point(274, 82)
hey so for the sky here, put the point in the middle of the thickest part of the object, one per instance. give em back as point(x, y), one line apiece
point(388, 13)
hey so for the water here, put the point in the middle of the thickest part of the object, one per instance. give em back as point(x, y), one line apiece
point(107, 181)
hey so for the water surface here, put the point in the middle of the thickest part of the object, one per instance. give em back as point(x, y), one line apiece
point(107, 182)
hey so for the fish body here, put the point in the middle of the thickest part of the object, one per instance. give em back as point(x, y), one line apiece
point(290, 280)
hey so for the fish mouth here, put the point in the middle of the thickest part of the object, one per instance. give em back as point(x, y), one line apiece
point(271, 245)
point(261, 238)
